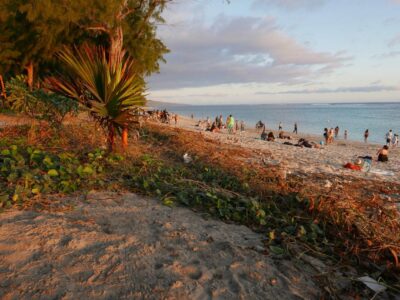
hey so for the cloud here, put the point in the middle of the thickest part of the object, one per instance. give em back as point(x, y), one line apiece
point(387, 55)
point(351, 89)
point(289, 4)
point(238, 50)
point(395, 40)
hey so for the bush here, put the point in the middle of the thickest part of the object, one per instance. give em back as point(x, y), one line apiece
point(38, 104)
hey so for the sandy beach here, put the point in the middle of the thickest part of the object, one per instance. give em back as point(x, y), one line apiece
point(329, 159)
point(123, 246)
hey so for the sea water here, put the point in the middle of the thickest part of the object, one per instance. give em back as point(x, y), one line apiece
point(310, 118)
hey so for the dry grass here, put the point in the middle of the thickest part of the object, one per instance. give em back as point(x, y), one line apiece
point(362, 214)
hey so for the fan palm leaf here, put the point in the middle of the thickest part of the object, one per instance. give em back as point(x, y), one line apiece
point(110, 89)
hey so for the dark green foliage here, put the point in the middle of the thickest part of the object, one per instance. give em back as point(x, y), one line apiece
point(35, 30)
point(38, 104)
point(26, 172)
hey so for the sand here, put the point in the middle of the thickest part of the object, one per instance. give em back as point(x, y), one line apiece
point(119, 246)
point(329, 160)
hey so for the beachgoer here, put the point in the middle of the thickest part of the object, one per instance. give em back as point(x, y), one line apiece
point(330, 135)
point(326, 136)
point(389, 137)
point(336, 131)
point(176, 119)
point(396, 140)
point(264, 134)
point(295, 128)
point(270, 137)
point(345, 134)
point(221, 123)
point(280, 126)
point(242, 125)
point(383, 154)
point(236, 125)
point(230, 123)
point(192, 116)
point(366, 134)
point(214, 127)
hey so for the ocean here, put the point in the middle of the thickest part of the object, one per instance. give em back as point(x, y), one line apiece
point(310, 118)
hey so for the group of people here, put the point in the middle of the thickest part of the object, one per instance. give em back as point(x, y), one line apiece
point(331, 133)
point(231, 124)
point(260, 125)
point(163, 116)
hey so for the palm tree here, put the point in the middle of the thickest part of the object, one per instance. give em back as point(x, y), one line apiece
point(110, 88)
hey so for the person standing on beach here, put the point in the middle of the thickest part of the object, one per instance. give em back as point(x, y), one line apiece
point(176, 119)
point(242, 125)
point(389, 137)
point(336, 132)
point(396, 140)
point(280, 126)
point(326, 136)
point(345, 134)
point(221, 123)
point(230, 123)
point(366, 134)
point(295, 128)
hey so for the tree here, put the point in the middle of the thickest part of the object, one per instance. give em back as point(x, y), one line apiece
point(32, 31)
point(109, 87)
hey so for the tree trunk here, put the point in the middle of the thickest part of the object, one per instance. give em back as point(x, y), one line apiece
point(125, 138)
point(29, 70)
point(111, 138)
point(3, 93)
point(116, 44)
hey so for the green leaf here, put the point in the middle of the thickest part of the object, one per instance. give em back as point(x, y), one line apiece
point(87, 170)
point(277, 250)
point(52, 173)
point(5, 152)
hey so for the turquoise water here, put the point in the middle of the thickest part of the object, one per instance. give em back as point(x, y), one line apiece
point(310, 118)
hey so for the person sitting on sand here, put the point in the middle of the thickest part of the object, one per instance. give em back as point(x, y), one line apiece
point(214, 127)
point(271, 137)
point(283, 136)
point(383, 154)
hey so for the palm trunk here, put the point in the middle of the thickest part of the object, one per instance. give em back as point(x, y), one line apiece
point(111, 138)
point(125, 138)
point(29, 70)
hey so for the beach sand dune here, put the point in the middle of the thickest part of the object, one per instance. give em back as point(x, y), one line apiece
point(122, 246)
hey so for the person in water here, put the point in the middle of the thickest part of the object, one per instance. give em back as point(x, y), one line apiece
point(383, 154)
point(366, 134)
point(295, 128)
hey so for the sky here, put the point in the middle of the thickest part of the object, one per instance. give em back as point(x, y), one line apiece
point(279, 51)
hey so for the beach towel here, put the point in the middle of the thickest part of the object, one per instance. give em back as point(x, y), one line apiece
point(352, 167)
